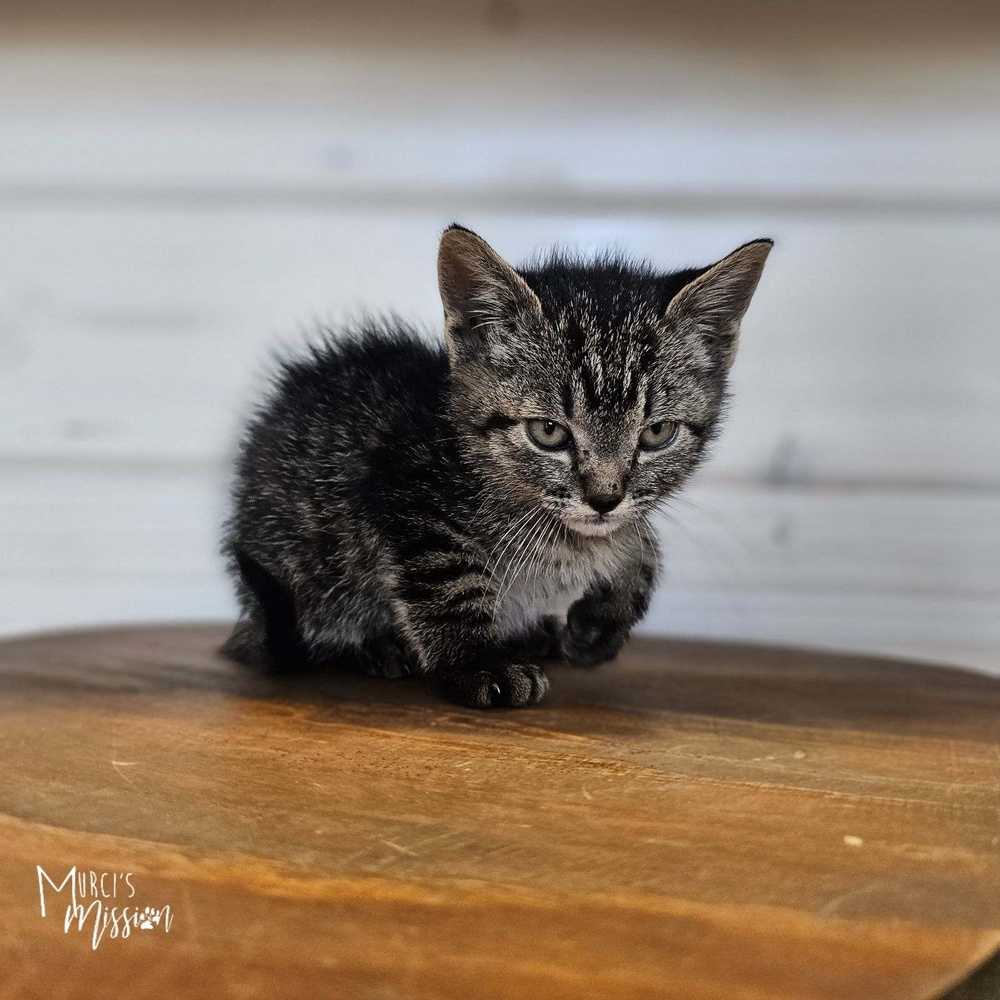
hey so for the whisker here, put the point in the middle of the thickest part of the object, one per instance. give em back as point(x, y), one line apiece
point(510, 533)
point(535, 516)
point(530, 540)
point(538, 557)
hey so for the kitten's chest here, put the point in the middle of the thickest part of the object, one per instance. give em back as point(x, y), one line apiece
point(547, 586)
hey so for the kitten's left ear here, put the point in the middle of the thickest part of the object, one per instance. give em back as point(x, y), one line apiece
point(713, 305)
point(477, 286)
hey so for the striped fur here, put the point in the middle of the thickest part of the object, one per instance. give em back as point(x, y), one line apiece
point(391, 512)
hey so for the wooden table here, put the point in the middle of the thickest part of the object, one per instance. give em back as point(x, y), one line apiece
point(696, 821)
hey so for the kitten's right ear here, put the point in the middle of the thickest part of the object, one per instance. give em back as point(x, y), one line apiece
point(477, 287)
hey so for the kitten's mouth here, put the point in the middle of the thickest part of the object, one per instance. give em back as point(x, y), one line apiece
point(595, 525)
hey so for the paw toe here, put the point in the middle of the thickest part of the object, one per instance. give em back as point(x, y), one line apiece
point(509, 686)
point(526, 685)
point(605, 646)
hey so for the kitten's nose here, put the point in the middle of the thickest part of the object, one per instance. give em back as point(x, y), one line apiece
point(604, 502)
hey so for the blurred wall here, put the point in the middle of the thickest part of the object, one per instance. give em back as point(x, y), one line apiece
point(181, 188)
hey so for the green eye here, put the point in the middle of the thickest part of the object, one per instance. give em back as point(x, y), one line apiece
point(658, 436)
point(548, 434)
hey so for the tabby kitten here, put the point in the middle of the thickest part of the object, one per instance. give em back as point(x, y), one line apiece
point(469, 509)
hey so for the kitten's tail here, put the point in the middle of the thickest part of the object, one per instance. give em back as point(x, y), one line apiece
point(280, 647)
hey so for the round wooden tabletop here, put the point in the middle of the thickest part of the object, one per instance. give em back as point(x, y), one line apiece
point(695, 821)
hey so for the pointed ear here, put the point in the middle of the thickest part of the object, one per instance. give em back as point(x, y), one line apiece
point(713, 305)
point(477, 287)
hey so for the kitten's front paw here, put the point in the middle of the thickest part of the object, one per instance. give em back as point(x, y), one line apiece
point(508, 685)
point(590, 639)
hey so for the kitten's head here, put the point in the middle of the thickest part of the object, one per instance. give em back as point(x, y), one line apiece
point(590, 389)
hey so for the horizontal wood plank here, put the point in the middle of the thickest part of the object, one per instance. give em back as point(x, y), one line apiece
point(138, 334)
point(603, 110)
point(179, 193)
point(914, 573)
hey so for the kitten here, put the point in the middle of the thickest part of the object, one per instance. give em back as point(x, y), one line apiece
point(467, 510)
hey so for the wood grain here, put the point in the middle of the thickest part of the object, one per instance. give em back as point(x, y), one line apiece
point(695, 822)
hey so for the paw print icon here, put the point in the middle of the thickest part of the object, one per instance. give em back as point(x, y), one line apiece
point(149, 918)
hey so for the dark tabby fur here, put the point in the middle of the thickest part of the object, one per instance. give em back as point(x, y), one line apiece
point(392, 513)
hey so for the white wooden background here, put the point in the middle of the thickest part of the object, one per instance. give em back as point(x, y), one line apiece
point(176, 195)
